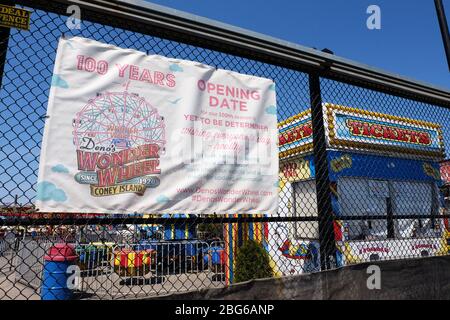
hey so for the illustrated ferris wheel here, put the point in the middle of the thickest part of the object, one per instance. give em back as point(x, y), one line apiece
point(118, 120)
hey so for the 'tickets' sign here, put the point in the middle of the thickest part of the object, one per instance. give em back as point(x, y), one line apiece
point(127, 132)
point(369, 130)
point(361, 130)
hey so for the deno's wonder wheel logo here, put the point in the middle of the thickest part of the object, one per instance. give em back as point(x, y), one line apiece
point(119, 138)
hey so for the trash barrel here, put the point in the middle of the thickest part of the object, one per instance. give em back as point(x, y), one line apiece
point(54, 278)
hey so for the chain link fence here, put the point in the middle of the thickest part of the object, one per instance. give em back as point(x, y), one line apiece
point(359, 173)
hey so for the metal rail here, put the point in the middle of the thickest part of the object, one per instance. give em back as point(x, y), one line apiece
point(199, 220)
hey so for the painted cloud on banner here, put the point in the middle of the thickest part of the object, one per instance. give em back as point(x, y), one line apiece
point(57, 81)
point(271, 110)
point(59, 168)
point(47, 191)
point(176, 68)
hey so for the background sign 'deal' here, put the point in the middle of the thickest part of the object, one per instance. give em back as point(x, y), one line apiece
point(12, 17)
point(127, 132)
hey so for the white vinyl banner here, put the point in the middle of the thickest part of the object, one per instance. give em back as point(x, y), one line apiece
point(128, 132)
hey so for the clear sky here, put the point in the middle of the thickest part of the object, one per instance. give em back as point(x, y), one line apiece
point(409, 42)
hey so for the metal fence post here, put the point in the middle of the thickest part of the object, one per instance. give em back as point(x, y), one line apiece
point(324, 208)
point(440, 11)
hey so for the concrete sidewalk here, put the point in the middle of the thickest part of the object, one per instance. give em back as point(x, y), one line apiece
point(12, 290)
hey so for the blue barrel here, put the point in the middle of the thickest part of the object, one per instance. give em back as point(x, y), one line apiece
point(54, 278)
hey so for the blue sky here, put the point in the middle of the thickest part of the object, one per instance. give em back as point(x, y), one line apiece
point(409, 42)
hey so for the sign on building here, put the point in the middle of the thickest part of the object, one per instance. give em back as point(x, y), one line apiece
point(356, 129)
point(362, 129)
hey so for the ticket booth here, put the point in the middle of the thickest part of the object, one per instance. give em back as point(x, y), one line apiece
point(380, 167)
